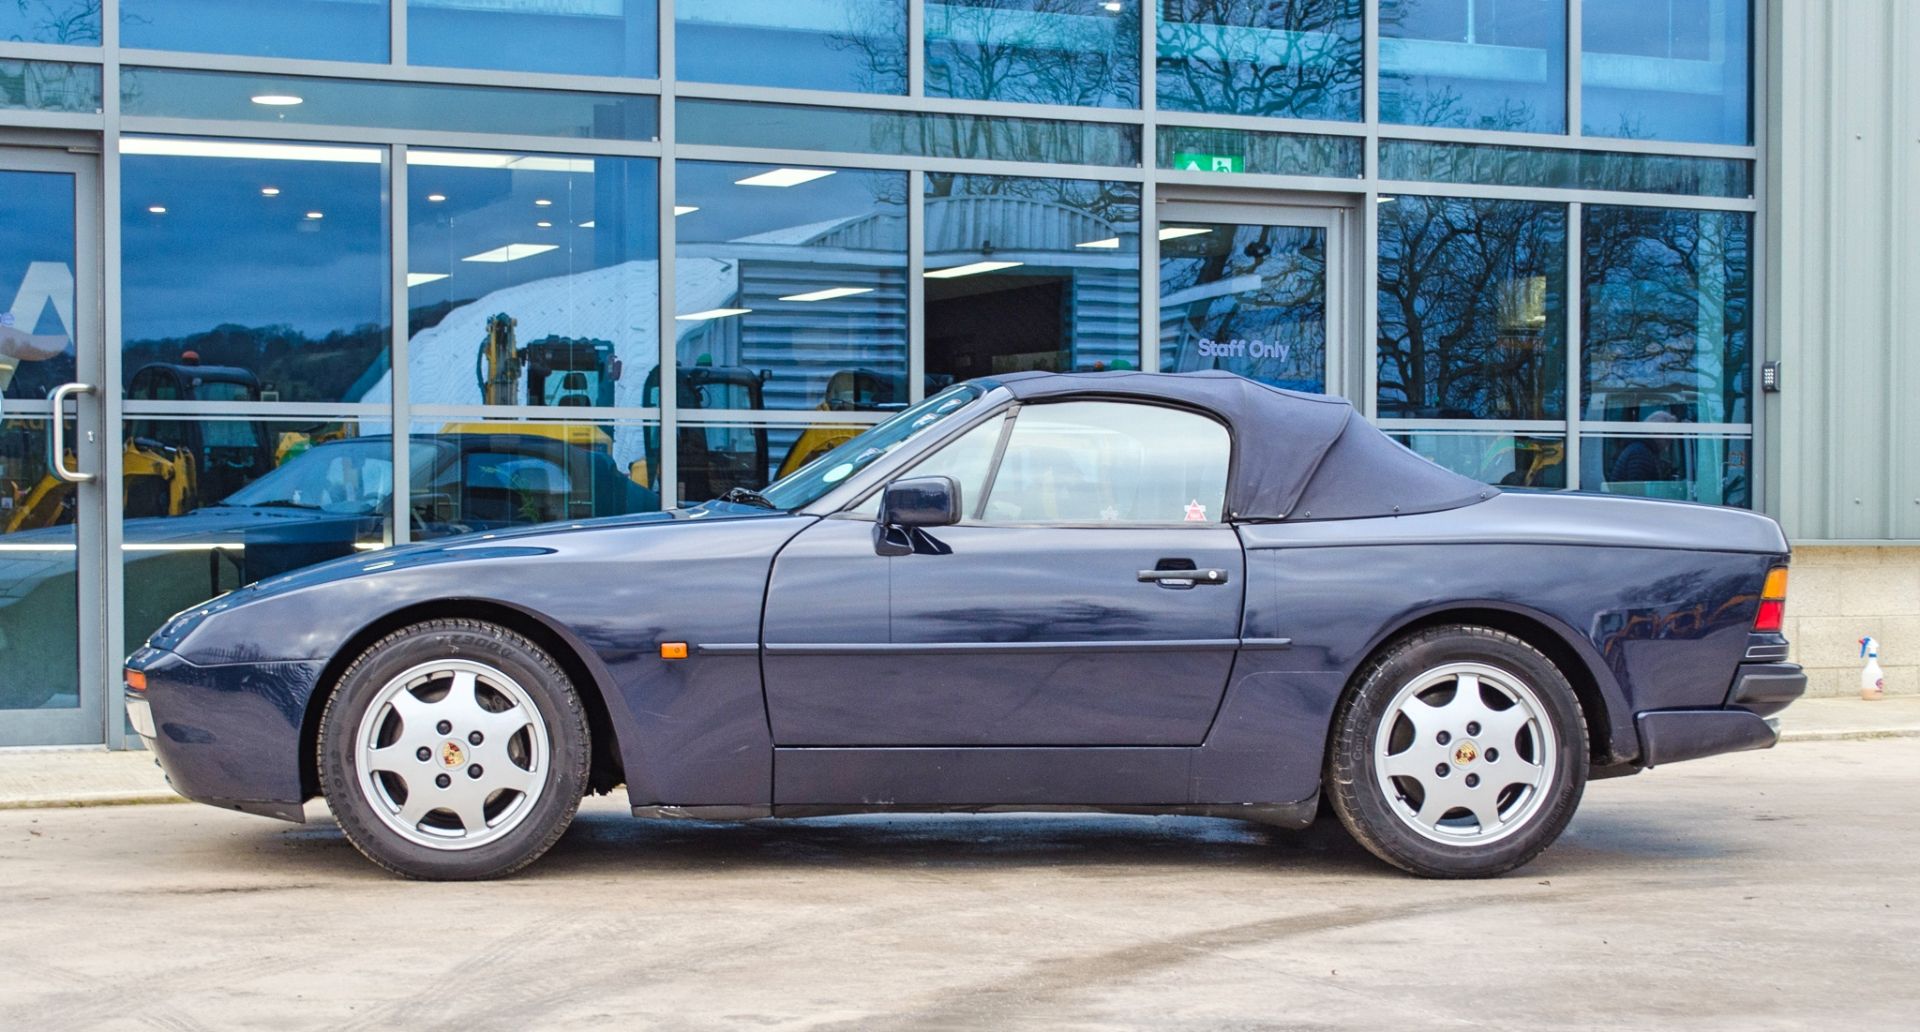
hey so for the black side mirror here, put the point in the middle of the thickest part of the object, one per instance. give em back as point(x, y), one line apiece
point(921, 502)
point(906, 506)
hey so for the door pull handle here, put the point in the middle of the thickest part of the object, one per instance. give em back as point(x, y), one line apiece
point(57, 441)
point(1183, 578)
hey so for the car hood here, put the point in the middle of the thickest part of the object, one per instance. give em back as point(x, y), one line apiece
point(517, 541)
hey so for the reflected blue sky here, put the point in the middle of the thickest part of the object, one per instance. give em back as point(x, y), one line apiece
point(333, 30)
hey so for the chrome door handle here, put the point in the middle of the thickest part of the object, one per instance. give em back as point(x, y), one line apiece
point(57, 442)
point(1184, 577)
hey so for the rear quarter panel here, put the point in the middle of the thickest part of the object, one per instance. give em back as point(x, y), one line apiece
point(1655, 599)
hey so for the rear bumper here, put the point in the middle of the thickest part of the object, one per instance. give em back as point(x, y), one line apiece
point(1746, 721)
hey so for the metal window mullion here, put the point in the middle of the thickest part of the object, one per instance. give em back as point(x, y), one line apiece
point(1370, 66)
point(1574, 85)
point(916, 50)
point(666, 478)
point(1575, 295)
point(916, 286)
point(1562, 195)
point(108, 323)
point(1149, 307)
point(157, 125)
point(397, 33)
point(398, 220)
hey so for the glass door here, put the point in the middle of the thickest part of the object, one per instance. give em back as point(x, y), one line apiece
point(1252, 289)
point(52, 684)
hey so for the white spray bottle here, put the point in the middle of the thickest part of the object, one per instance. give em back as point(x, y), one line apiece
point(1873, 682)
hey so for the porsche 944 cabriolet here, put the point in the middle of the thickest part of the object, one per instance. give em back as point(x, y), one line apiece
point(1127, 592)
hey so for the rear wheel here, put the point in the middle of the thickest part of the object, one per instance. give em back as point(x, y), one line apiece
point(1460, 753)
point(454, 749)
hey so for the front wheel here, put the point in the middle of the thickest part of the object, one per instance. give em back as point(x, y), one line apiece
point(454, 749)
point(1460, 753)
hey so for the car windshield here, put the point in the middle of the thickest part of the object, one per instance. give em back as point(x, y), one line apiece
point(819, 476)
point(344, 477)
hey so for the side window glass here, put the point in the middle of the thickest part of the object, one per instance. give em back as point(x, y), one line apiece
point(1110, 462)
point(966, 460)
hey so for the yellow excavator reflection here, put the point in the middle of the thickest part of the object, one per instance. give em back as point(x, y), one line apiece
point(560, 372)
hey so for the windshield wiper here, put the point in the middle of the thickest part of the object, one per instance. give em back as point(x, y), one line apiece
point(747, 496)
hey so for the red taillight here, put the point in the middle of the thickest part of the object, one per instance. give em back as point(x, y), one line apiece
point(1773, 603)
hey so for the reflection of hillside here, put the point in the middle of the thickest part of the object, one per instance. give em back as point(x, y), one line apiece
point(299, 367)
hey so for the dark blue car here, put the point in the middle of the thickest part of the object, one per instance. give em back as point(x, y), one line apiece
point(1123, 592)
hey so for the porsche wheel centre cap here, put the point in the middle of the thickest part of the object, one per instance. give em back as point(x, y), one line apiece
point(452, 754)
point(1465, 753)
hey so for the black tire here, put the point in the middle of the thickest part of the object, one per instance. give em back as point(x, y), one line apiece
point(1374, 817)
point(558, 707)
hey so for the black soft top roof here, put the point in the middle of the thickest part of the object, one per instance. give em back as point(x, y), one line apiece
point(1296, 456)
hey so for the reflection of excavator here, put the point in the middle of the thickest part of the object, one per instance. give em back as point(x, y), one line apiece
point(167, 464)
point(554, 371)
point(712, 459)
point(852, 390)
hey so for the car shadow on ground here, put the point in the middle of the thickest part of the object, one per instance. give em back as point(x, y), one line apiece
point(605, 840)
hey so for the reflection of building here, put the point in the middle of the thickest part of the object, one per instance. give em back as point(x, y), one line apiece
point(811, 223)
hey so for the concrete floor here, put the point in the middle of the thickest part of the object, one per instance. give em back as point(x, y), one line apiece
point(1759, 891)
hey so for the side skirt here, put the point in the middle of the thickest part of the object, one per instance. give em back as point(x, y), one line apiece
point(1294, 815)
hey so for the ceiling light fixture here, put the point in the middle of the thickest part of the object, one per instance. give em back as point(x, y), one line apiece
point(543, 224)
point(185, 148)
point(1113, 5)
point(712, 313)
point(1176, 232)
point(157, 209)
point(785, 177)
point(542, 203)
point(828, 294)
point(436, 198)
point(278, 100)
point(269, 191)
point(684, 209)
point(415, 279)
point(510, 253)
point(589, 224)
point(1110, 243)
point(492, 159)
point(316, 215)
point(972, 269)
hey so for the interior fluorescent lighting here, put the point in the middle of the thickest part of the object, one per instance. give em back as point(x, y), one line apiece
point(1388, 200)
point(269, 191)
point(316, 215)
point(684, 209)
point(544, 225)
point(157, 209)
point(542, 203)
point(1112, 5)
point(1110, 243)
point(785, 177)
point(182, 148)
point(971, 270)
point(587, 224)
point(828, 294)
point(436, 198)
point(1176, 232)
point(278, 100)
point(415, 279)
point(491, 159)
point(712, 313)
point(510, 253)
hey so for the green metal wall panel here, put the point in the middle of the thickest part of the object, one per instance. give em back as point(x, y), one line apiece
point(1843, 200)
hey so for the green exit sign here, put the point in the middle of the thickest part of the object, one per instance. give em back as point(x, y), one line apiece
point(1209, 163)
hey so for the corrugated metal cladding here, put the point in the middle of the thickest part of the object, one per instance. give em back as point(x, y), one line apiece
point(1844, 271)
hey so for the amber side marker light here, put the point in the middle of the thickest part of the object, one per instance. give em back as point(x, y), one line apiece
point(137, 680)
point(1773, 603)
point(673, 650)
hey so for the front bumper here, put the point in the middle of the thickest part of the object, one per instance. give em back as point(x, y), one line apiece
point(228, 735)
point(1746, 721)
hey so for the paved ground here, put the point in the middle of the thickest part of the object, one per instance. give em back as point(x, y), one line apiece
point(1759, 891)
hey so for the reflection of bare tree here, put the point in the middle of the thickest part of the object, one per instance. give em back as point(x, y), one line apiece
point(1471, 296)
point(1667, 304)
point(1034, 51)
point(1118, 204)
point(75, 22)
point(877, 35)
point(1285, 58)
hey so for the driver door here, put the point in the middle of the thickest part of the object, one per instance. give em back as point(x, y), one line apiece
point(1046, 617)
